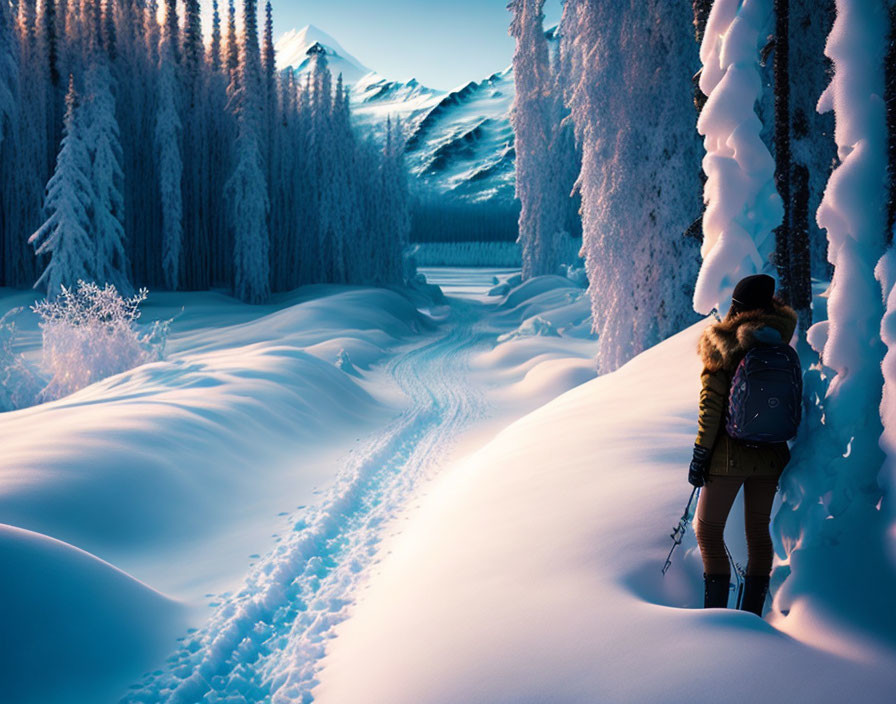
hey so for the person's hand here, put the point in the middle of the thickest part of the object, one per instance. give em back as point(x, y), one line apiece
point(699, 465)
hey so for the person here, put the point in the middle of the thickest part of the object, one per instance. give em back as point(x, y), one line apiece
point(722, 464)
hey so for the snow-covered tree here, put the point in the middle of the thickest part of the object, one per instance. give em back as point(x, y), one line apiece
point(246, 189)
point(104, 146)
point(799, 41)
point(268, 64)
point(70, 197)
point(207, 168)
point(50, 37)
point(9, 68)
point(639, 181)
point(215, 57)
point(110, 33)
point(743, 207)
point(233, 46)
point(813, 151)
point(394, 203)
point(170, 165)
point(830, 493)
point(28, 159)
point(193, 50)
point(171, 29)
point(536, 122)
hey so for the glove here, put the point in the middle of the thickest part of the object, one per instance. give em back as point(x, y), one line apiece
point(699, 465)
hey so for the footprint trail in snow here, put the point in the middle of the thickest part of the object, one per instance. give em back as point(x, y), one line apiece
point(265, 643)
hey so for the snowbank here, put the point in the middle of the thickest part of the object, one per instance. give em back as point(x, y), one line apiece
point(545, 345)
point(66, 610)
point(531, 573)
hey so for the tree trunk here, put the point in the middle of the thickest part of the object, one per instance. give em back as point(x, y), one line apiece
point(890, 100)
point(701, 15)
point(783, 254)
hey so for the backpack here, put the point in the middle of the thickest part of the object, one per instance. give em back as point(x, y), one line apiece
point(765, 402)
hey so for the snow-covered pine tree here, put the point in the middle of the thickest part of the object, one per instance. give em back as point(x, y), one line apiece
point(170, 164)
point(119, 50)
point(195, 151)
point(320, 150)
point(246, 190)
point(233, 46)
point(104, 146)
point(9, 99)
point(567, 160)
point(151, 30)
point(9, 70)
point(26, 167)
point(215, 56)
point(55, 93)
point(50, 37)
point(534, 125)
point(171, 28)
point(347, 184)
point(282, 214)
point(110, 33)
point(830, 492)
point(397, 202)
point(219, 130)
point(193, 49)
point(28, 21)
point(135, 71)
point(268, 63)
point(64, 235)
point(634, 119)
point(886, 274)
point(743, 207)
point(269, 104)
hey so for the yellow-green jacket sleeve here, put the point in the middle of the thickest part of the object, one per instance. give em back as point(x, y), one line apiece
point(713, 399)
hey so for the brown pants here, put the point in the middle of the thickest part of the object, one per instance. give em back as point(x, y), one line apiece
point(716, 499)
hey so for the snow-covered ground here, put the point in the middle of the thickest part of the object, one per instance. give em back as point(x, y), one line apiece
point(531, 573)
point(242, 486)
point(364, 495)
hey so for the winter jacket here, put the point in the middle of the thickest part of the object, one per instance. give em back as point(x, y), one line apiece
point(722, 346)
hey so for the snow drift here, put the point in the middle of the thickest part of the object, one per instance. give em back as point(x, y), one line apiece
point(65, 609)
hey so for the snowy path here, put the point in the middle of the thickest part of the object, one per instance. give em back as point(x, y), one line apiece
point(264, 644)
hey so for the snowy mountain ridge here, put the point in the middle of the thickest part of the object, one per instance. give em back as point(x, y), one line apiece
point(459, 141)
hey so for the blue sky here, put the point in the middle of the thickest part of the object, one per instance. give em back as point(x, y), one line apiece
point(443, 44)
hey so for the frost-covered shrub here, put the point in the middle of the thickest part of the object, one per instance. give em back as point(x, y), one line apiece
point(90, 333)
point(577, 274)
point(19, 386)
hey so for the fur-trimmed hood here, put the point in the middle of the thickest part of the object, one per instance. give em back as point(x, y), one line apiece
point(724, 344)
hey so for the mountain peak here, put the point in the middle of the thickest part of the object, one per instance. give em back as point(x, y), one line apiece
point(295, 47)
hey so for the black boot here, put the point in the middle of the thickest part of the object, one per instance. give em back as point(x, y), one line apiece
point(715, 591)
point(755, 591)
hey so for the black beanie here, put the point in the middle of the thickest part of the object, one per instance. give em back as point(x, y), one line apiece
point(754, 292)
